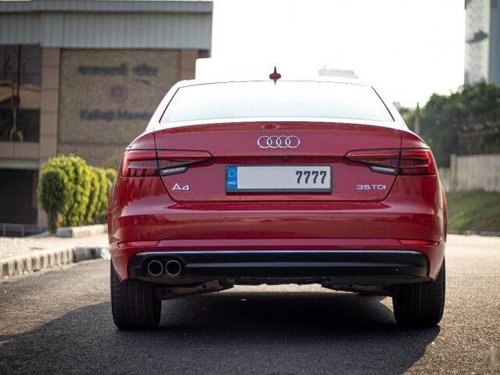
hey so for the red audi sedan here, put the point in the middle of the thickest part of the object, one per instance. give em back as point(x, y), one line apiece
point(274, 182)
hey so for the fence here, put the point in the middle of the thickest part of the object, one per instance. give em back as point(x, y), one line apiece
point(479, 142)
point(19, 230)
point(470, 172)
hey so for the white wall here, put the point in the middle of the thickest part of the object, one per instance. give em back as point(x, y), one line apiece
point(472, 172)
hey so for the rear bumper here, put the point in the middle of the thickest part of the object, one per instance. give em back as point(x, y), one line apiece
point(335, 267)
point(142, 219)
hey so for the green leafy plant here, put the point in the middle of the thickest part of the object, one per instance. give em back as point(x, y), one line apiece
point(95, 191)
point(102, 207)
point(81, 189)
point(53, 194)
point(74, 193)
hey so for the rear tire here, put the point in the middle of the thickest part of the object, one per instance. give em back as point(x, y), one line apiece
point(133, 304)
point(421, 304)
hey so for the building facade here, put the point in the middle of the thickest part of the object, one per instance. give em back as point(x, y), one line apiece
point(482, 41)
point(83, 78)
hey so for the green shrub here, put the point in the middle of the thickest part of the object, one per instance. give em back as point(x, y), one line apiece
point(74, 193)
point(53, 194)
point(65, 177)
point(81, 186)
point(102, 207)
point(110, 175)
point(95, 190)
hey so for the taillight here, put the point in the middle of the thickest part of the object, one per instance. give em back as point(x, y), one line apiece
point(417, 162)
point(395, 161)
point(139, 163)
point(178, 161)
point(147, 163)
point(384, 161)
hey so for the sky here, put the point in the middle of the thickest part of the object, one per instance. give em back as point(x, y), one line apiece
point(408, 49)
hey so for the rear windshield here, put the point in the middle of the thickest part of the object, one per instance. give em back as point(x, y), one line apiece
point(253, 100)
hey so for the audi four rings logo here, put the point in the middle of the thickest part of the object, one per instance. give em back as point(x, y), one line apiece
point(278, 141)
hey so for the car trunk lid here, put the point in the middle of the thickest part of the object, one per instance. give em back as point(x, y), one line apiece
point(211, 150)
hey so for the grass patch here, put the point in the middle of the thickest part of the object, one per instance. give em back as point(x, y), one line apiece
point(474, 210)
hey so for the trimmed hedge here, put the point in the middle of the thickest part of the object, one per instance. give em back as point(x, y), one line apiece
point(74, 193)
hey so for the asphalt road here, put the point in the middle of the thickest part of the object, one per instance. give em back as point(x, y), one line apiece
point(60, 322)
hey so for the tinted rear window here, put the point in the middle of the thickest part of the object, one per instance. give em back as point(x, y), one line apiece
point(245, 100)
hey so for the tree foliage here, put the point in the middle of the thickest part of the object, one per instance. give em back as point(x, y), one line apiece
point(471, 109)
point(72, 192)
point(53, 194)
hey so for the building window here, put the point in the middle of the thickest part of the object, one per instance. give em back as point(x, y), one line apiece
point(203, 53)
point(20, 87)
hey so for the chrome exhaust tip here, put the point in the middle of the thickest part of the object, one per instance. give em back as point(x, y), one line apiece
point(173, 268)
point(155, 268)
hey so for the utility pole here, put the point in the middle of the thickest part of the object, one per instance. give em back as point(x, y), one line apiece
point(416, 123)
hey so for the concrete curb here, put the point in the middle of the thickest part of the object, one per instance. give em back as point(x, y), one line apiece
point(83, 231)
point(49, 259)
point(475, 233)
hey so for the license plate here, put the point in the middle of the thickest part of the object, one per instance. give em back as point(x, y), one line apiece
point(300, 178)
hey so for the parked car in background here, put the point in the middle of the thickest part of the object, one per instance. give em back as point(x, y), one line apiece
point(271, 182)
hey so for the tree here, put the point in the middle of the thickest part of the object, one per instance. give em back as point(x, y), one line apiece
point(472, 108)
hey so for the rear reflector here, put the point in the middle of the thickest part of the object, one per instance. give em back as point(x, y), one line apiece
point(146, 163)
point(396, 161)
point(418, 242)
point(122, 245)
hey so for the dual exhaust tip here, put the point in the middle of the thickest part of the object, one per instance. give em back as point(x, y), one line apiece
point(172, 268)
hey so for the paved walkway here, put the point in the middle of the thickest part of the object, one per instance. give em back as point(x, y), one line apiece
point(19, 256)
point(25, 246)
